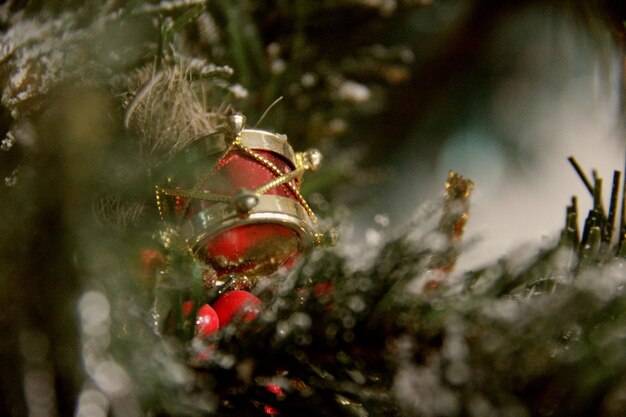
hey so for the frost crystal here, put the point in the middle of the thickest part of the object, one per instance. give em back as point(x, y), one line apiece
point(239, 91)
point(354, 92)
point(7, 142)
point(604, 282)
point(11, 180)
point(419, 389)
point(36, 53)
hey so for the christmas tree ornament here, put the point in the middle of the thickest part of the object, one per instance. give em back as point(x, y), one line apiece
point(456, 206)
point(207, 321)
point(234, 197)
point(454, 217)
point(237, 304)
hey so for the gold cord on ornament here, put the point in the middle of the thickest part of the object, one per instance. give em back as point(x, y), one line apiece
point(303, 161)
point(278, 172)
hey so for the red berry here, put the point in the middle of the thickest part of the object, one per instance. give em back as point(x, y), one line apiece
point(270, 410)
point(237, 303)
point(275, 389)
point(151, 260)
point(186, 308)
point(207, 321)
point(322, 289)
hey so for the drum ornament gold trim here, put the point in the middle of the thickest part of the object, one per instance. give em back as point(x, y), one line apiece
point(270, 209)
point(248, 207)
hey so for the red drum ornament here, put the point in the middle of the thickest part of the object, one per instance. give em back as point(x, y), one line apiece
point(235, 199)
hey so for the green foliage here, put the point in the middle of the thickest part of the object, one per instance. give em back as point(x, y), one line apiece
point(532, 335)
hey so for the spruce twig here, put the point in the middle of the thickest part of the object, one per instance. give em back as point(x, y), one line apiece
point(597, 194)
point(609, 225)
point(589, 247)
point(622, 225)
point(589, 251)
point(571, 236)
point(581, 174)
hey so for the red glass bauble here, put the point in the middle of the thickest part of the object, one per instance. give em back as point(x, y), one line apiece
point(207, 321)
point(237, 304)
